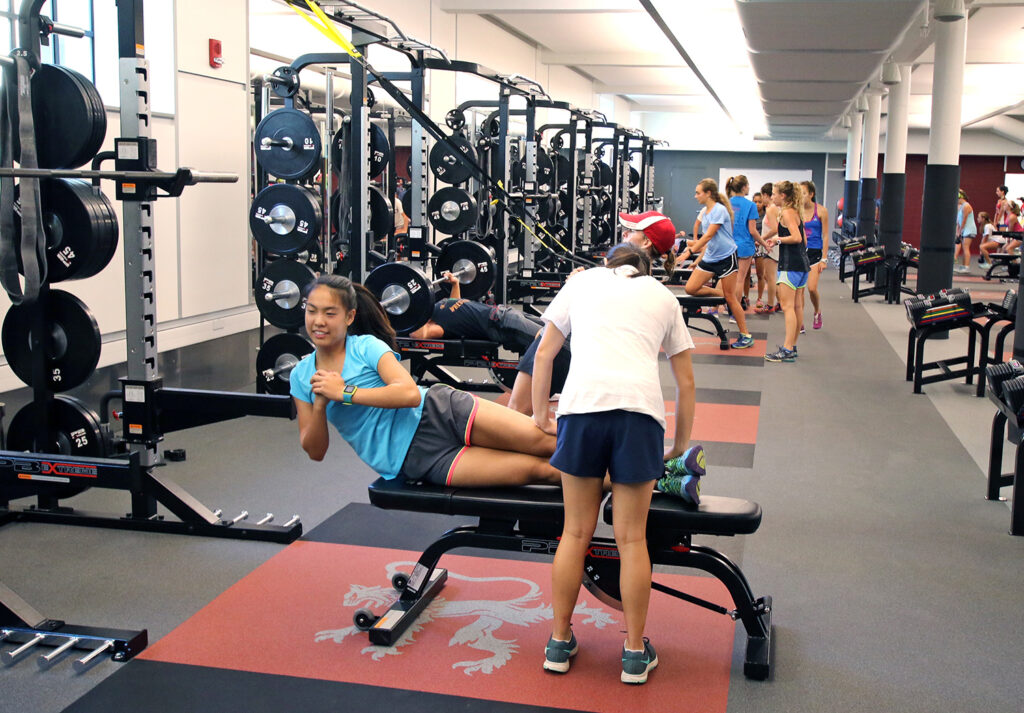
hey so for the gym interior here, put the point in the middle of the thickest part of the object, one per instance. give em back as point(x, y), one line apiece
point(186, 170)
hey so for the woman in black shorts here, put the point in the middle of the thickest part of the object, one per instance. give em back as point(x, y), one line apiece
point(353, 381)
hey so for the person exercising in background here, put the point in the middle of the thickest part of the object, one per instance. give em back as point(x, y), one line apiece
point(815, 217)
point(456, 318)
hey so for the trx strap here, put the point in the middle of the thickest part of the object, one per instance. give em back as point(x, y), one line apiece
point(16, 110)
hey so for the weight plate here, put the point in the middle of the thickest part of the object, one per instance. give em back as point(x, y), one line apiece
point(445, 166)
point(407, 202)
point(275, 361)
point(452, 210)
point(602, 232)
point(382, 215)
point(563, 170)
point(406, 294)
point(74, 341)
point(634, 177)
point(286, 280)
point(80, 227)
point(476, 262)
point(290, 87)
point(69, 128)
point(545, 172)
point(335, 208)
point(605, 204)
point(606, 173)
point(595, 204)
point(298, 156)
point(77, 432)
point(455, 119)
point(285, 218)
point(338, 149)
point(380, 150)
point(634, 201)
point(504, 374)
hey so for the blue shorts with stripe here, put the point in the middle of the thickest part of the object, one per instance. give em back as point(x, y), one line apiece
point(627, 445)
point(789, 278)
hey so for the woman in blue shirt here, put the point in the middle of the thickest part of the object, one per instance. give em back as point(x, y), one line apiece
point(815, 217)
point(715, 221)
point(353, 381)
point(744, 230)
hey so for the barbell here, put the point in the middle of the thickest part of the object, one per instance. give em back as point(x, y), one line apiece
point(408, 295)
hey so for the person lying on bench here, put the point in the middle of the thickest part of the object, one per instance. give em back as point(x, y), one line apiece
point(456, 318)
point(441, 436)
point(611, 419)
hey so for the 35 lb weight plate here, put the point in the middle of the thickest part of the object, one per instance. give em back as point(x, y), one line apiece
point(405, 293)
point(68, 116)
point(444, 164)
point(279, 293)
point(276, 359)
point(73, 344)
point(452, 210)
point(475, 260)
point(77, 432)
point(285, 218)
point(287, 144)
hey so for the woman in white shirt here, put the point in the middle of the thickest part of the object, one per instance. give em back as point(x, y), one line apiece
point(611, 420)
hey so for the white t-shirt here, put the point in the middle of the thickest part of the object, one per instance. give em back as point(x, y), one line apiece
point(618, 324)
point(987, 234)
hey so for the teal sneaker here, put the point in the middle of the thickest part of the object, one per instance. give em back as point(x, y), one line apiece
point(637, 664)
point(557, 654)
point(782, 354)
point(744, 342)
point(686, 487)
point(692, 462)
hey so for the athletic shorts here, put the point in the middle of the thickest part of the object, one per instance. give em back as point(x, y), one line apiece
point(442, 436)
point(629, 446)
point(796, 280)
point(813, 256)
point(720, 268)
point(559, 367)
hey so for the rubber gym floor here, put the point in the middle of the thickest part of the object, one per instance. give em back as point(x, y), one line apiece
point(896, 586)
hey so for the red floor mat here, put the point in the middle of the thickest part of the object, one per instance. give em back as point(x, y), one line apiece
point(483, 637)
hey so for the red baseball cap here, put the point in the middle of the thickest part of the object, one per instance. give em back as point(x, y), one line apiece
point(656, 226)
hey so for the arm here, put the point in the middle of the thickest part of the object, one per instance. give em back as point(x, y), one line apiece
point(823, 215)
point(752, 227)
point(456, 285)
point(770, 218)
point(313, 435)
point(399, 390)
point(792, 222)
point(549, 346)
point(430, 330)
point(699, 244)
point(682, 371)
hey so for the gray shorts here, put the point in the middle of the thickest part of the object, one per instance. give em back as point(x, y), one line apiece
point(442, 436)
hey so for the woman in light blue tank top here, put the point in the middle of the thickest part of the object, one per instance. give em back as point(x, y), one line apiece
point(966, 231)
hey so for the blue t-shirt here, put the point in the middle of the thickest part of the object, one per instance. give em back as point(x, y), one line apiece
point(744, 210)
point(379, 436)
point(721, 244)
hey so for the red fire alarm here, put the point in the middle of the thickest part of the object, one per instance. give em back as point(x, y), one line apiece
point(216, 61)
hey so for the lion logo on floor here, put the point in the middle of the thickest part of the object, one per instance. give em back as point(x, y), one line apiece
point(486, 616)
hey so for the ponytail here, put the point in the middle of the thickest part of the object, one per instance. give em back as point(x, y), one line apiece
point(370, 318)
point(629, 254)
point(668, 261)
point(735, 185)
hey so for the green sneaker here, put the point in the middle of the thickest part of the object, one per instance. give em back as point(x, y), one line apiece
point(686, 487)
point(637, 664)
point(691, 462)
point(557, 654)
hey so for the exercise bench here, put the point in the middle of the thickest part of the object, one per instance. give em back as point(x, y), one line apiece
point(530, 519)
point(693, 309)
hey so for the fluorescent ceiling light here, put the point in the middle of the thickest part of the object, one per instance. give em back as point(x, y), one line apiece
point(950, 10)
point(890, 73)
point(862, 103)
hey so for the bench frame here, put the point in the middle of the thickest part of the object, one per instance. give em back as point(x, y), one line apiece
point(506, 533)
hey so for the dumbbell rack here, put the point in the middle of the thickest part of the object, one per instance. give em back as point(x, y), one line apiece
point(1006, 424)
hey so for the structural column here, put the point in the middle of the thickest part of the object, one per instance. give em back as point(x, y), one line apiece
point(869, 168)
point(852, 169)
point(894, 178)
point(942, 174)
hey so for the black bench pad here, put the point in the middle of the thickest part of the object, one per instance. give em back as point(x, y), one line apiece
point(701, 301)
point(715, 516)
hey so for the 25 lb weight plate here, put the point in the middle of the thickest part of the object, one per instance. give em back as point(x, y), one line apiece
point(476, 262)
point(68, 116)
point(276, 359)
point(452, 210)
point(285, 218)
point(287, 144)
point(77, 432)
point(406, 294)
point(444, 164)
point(279, 293)
point(382, 215)
point(72, 349)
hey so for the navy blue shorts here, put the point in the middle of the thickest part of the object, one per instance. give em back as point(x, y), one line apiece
point(627, 445)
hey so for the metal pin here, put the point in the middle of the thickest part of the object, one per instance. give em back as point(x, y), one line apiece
point(241, 516)
point(9, 657)
point(267, 519)
point(217, 512)
point(45, 660)
point(295, 519)
point(83, 663)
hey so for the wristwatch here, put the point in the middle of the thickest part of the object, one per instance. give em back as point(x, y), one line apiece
point(347, 394)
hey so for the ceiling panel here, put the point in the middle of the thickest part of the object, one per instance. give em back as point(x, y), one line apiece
point(801, 120)
point(861, 25)
point(671, 77)
point(805, 107)
point(590, 32)
point(823, 91)
point(988, 40)
point(811, 66)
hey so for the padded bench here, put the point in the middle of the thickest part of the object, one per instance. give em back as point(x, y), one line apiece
point(1008, 261)
point(693, 309)
point(432, 356)
point(529, 519)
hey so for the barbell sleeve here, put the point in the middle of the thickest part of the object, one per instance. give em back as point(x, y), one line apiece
point(286, 142)
point(433, 283)
point(290, 293)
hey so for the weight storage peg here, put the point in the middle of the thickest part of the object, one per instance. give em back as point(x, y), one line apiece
point(279, 291)
point(285, 218)
point(287, 144)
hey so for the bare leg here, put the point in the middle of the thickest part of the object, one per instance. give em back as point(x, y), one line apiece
point(967, 252)
point(759, 270)
point(798, 307)
point(630, 503)
point(743, 281)
point(787, 298)
point(728, 284)
point(695, 285)
point(771, 274)
point(501, 428)
point(582, 505)
point(521, 399)
point(488, 468)
point(812, 287)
